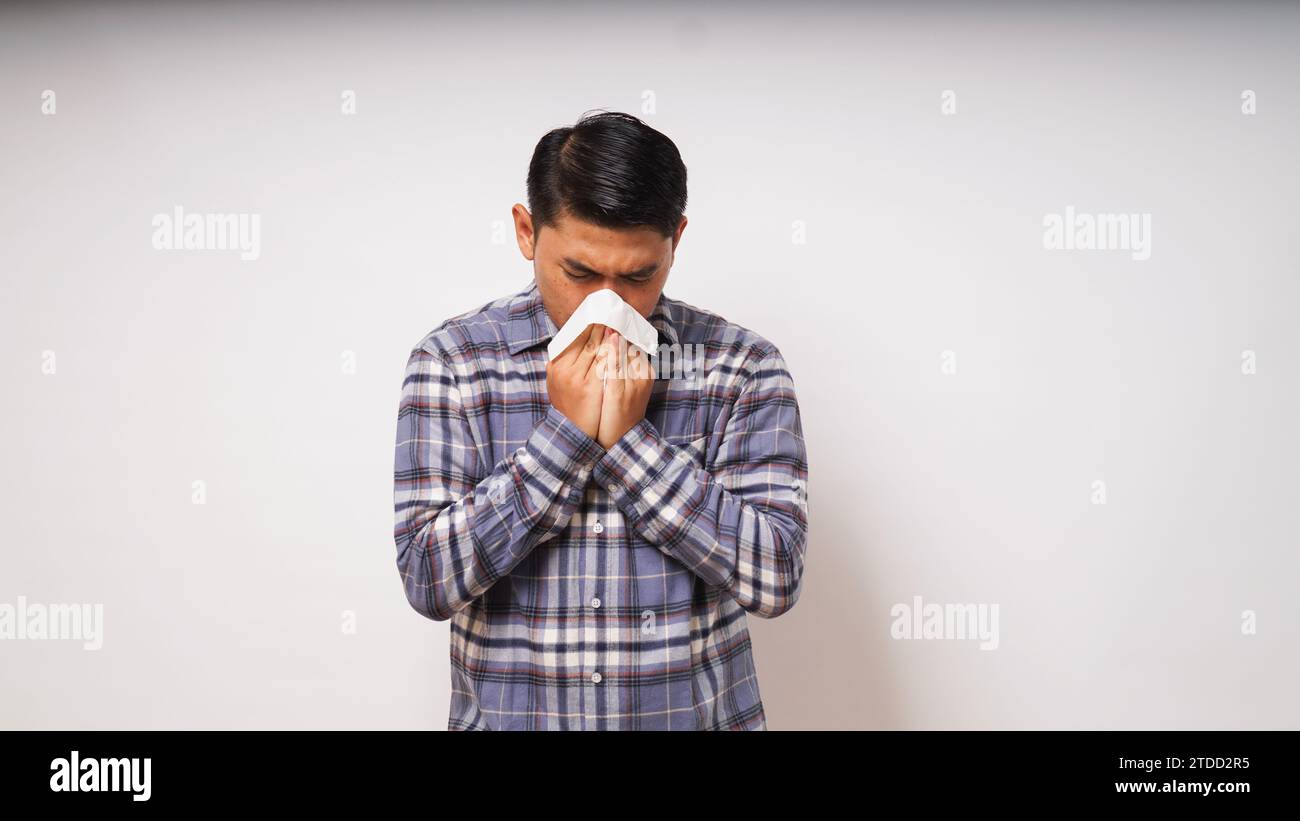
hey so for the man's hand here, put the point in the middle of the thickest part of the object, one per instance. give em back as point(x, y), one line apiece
point(573, 384)
point(628, 382)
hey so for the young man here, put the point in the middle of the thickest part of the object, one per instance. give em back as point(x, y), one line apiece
point(597, 534)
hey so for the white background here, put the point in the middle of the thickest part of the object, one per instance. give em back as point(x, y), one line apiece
point(924, 235)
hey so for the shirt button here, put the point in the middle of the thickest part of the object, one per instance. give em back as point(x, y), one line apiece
point(595, 602)
point(598, 527)
point(595, 678)
point(611, 487)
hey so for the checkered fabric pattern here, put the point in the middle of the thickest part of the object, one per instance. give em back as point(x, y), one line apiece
point(592, 589)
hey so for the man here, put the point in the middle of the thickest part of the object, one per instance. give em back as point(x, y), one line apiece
point(596, 529)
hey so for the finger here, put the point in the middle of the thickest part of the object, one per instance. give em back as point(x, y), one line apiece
point(613, 371)
point(641, 365)
point(600, 366)
point(602, 357)
point(627, 358)
point(638, 364)
point(590, 344)
point(571, 351)
point(617, 354)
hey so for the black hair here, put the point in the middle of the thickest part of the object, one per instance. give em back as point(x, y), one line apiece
point(610, 169)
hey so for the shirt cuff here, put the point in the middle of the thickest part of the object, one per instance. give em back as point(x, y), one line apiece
point(632, 466)
point(660, 489)
point(564, 451)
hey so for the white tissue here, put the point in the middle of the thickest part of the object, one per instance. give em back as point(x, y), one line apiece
point(604, 307)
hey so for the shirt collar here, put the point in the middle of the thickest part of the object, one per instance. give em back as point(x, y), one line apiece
point(529, 324)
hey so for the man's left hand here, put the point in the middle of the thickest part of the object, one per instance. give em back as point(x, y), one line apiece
point(628, 382)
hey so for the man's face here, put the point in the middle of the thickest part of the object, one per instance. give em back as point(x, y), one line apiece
point(574, 258)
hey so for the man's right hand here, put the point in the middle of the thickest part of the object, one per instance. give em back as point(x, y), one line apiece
point(573, 382)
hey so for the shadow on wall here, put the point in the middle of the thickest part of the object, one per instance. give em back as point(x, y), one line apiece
point(824, 665)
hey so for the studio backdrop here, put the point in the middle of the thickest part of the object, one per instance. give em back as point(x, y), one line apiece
point(1033, 269)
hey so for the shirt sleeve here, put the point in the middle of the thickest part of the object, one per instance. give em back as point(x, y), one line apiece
point(742, 525)
point(458, 532)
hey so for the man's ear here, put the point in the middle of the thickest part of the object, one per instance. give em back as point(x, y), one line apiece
point(525, 231)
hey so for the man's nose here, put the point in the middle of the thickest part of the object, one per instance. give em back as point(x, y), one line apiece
point(615, 284)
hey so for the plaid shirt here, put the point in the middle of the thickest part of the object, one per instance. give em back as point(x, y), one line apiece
point(589, 589)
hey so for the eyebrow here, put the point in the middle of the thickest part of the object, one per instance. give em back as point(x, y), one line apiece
point(587, 269)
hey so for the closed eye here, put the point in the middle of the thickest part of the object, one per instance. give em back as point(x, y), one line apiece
point(640, 276)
